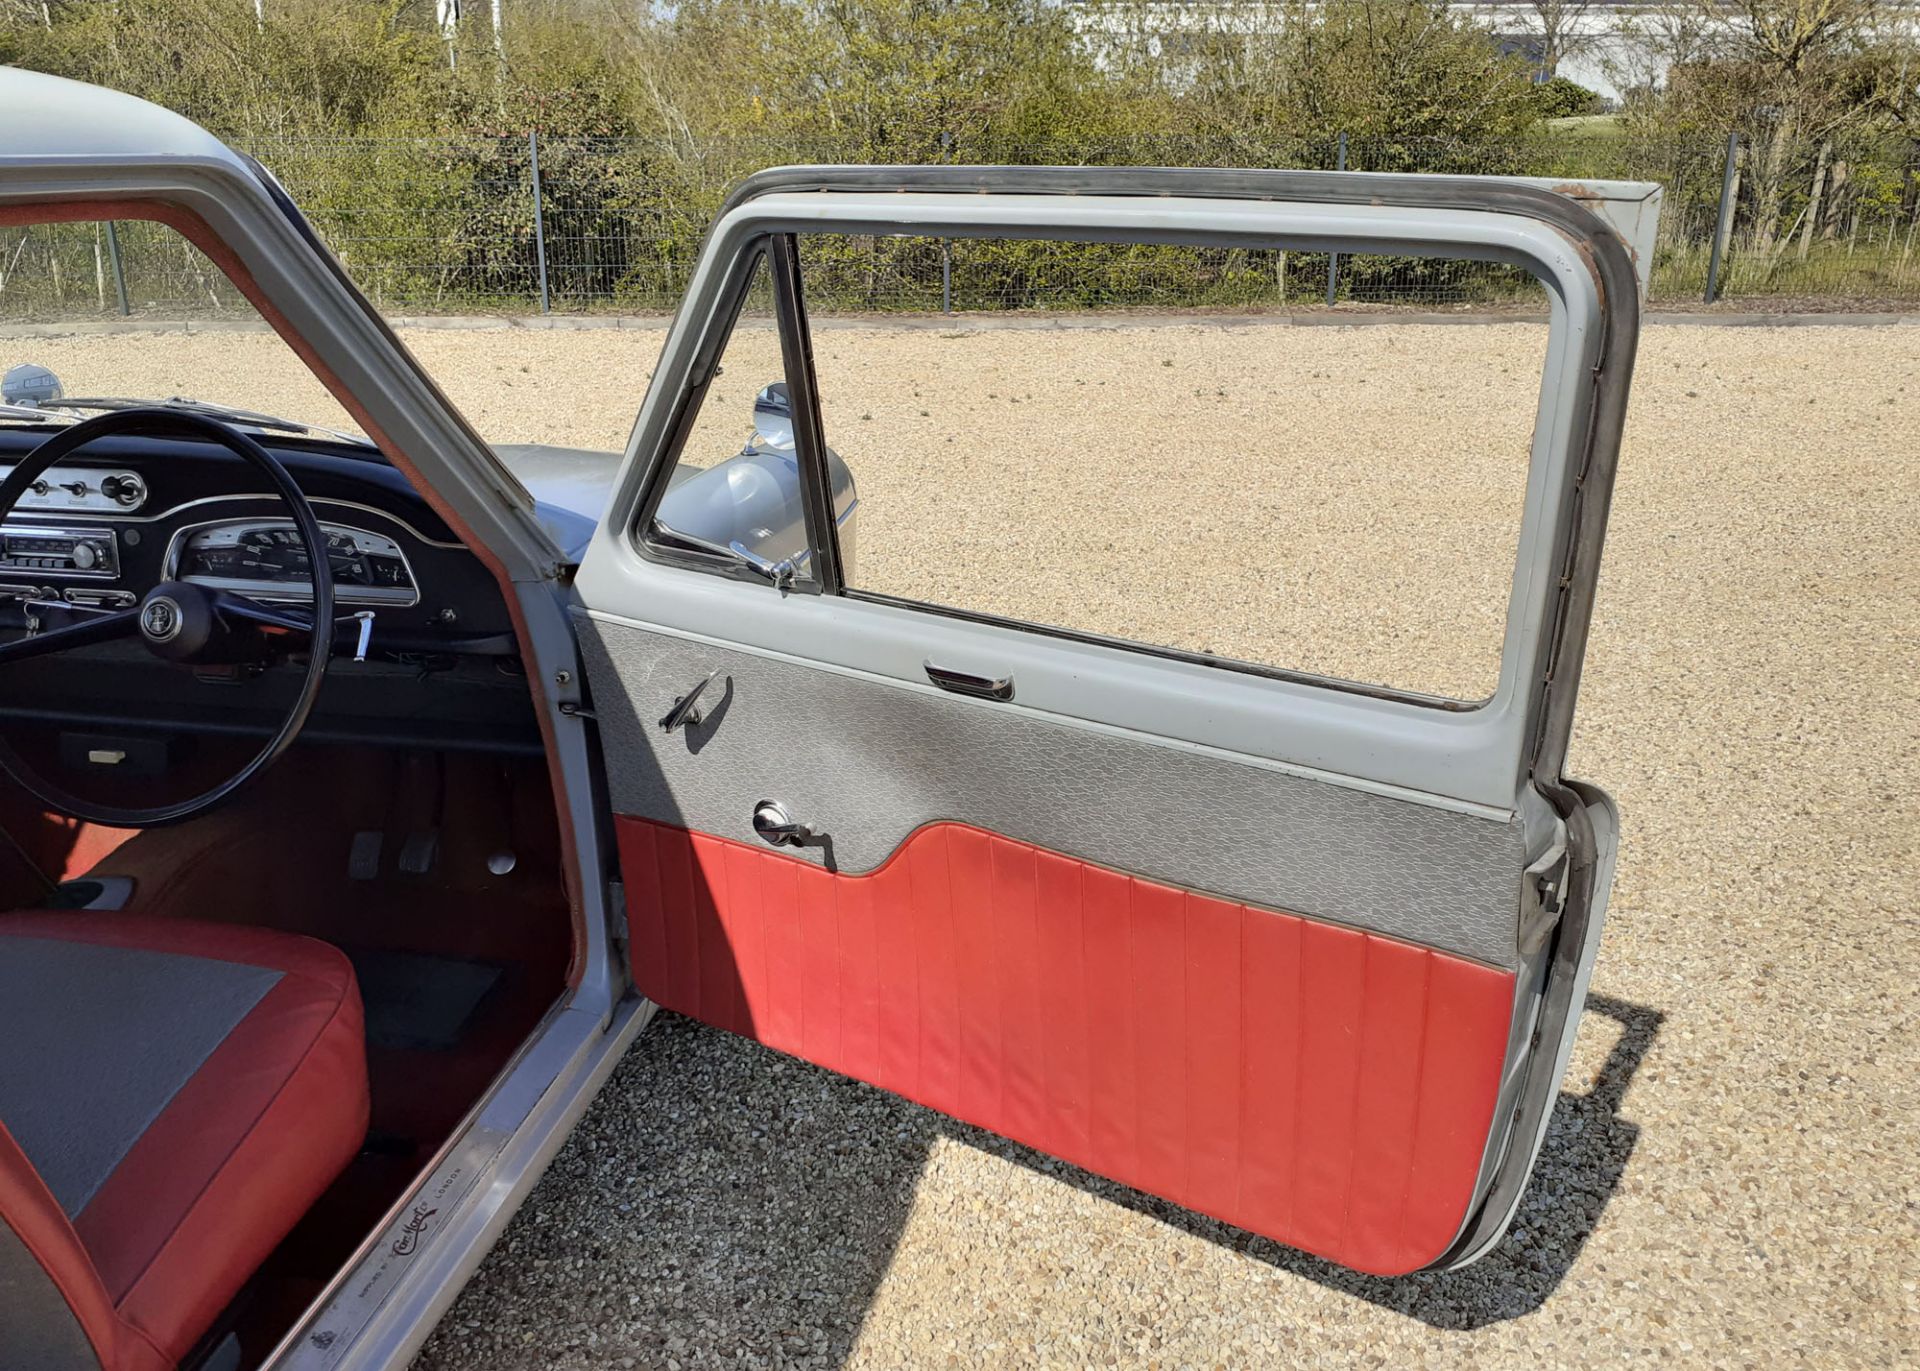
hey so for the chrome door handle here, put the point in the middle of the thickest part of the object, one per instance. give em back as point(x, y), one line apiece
point(686, 709)
point(967, 683)
point(772, 822)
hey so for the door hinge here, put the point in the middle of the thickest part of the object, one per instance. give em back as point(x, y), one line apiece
point(617, 916)
point(1543, 897)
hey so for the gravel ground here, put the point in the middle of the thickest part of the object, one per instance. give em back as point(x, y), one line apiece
point(1730, 1177)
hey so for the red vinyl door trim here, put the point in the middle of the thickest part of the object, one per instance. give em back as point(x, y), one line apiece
point(1329, 1088)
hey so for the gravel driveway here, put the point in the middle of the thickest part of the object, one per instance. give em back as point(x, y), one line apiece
point(1731, 1175)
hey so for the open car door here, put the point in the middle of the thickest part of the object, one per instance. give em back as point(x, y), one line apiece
point(1301, 954)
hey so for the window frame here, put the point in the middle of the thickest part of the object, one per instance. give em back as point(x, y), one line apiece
point(692, 395)
point(779, 250)
point(776, 252)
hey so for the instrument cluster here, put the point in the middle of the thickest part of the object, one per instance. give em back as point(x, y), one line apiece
point(266, 558)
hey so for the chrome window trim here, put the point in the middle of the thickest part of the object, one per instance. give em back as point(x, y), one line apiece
point(1600, 256)
point(711, 347)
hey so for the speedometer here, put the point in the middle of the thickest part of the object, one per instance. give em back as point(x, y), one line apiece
point(267, 558)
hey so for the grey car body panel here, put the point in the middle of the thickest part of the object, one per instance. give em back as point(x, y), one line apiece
point(570, 487)
point(867, 761)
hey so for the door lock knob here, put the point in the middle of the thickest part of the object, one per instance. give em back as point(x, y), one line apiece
point(772, 822)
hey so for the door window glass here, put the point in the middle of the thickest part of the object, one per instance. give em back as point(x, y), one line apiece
point(1190, 471)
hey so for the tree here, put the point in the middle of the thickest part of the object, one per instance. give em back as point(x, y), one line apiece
point(1791, 76)
point(311, 67)
point(1563, 31)
point(1397, 71)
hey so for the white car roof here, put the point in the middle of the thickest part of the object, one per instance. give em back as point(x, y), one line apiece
point(51, 118)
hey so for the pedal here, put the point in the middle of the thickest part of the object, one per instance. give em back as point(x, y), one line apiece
point(363, 858)
point(419, 852)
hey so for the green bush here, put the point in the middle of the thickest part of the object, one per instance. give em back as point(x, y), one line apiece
point(1561, 97)
point(408, 146)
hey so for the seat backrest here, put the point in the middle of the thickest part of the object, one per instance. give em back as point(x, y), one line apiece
point(54, 1312)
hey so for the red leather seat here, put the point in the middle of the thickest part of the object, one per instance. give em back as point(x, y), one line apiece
point(173, 1097)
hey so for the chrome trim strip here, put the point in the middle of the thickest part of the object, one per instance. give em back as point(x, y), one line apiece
point(1521, 1133)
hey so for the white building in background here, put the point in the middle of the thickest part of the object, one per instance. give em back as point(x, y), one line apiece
point(1602, 51)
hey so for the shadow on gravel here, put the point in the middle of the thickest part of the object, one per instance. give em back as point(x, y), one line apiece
point(1581, 1162)
point(723, 1205)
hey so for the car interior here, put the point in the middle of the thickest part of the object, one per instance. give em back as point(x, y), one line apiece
point(243, 1019)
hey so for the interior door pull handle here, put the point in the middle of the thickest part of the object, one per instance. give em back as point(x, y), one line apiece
point(966, 683)
point(772, 822)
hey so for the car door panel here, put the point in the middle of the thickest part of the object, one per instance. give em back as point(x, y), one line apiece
point(1301, 955)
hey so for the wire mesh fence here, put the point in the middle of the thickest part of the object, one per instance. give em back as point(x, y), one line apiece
point(449, 225)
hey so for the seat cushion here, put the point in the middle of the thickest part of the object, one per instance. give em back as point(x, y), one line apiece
point(183, 1092)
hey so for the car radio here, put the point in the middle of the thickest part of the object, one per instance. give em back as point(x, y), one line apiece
point(62, 551)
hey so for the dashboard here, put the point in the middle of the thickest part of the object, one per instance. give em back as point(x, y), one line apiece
point(131, 511)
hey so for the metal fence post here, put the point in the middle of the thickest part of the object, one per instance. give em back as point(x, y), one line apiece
point(1333, 258)
point(119, 271)
point(539, 220)
point(946, 245)
point(1723, 226)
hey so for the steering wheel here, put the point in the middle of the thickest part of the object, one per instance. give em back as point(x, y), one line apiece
point(186, 624)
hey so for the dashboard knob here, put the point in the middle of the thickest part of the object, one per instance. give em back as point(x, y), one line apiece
point(85, 556)
point(79, 488)
point(123, 488)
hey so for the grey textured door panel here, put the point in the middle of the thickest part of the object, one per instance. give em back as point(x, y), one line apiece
point(867, 762)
